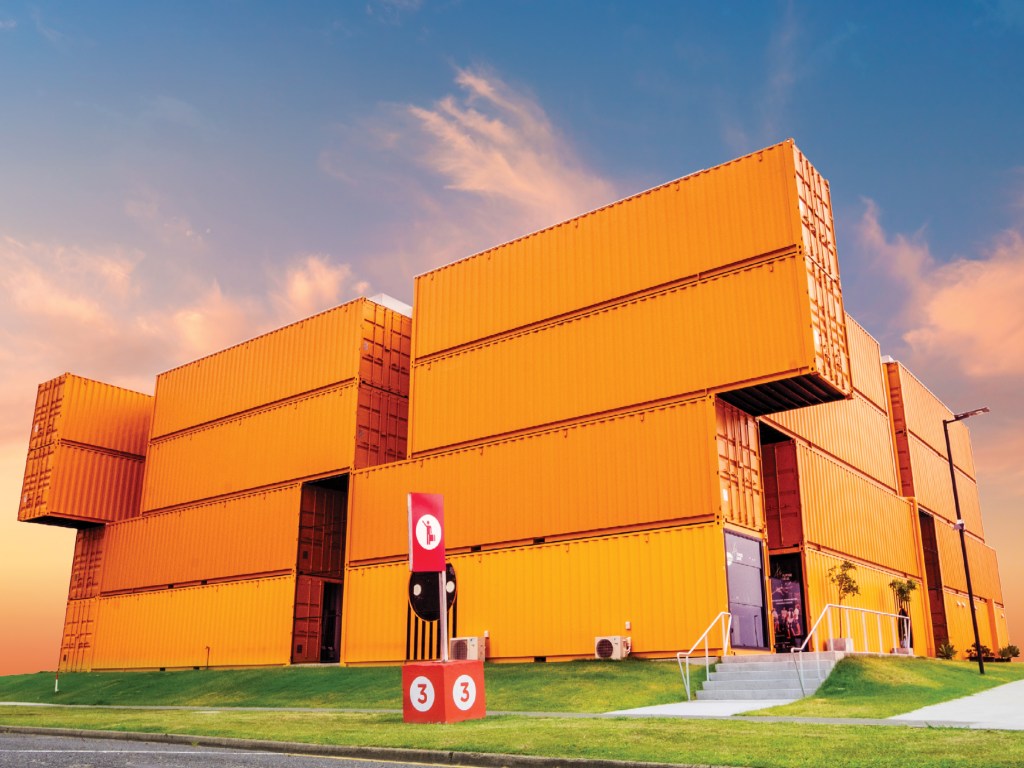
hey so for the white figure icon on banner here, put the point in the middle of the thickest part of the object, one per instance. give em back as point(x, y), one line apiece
point(428, 532)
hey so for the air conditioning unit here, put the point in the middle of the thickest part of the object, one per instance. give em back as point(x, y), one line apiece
point(467, 648)
point(613, 647)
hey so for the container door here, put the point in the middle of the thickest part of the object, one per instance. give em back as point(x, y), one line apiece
point(933, 572)
point(745, 578)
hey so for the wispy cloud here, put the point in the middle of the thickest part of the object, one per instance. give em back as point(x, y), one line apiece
point(8, 24)
point(147, 208)
point(53, 35)
point(472, 169)
point(392, 11)
point(311, 284)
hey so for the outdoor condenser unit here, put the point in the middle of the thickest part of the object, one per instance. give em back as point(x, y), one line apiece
point(467, 648)
point(612, 647)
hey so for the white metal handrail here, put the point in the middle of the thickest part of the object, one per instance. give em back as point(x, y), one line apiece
point(845, 611)
point(726, 620)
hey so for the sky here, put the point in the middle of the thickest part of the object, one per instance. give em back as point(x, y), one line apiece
point(177, 177)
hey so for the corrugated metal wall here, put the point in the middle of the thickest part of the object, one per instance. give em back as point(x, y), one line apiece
point(848, 514)
point(78, 410)
point(73, 483)
point(77, 642)
point(241, 623)
point(961, 629)
point(645, 468)
point(933, 487)
point(551, 600)
point(875, 594)
point(251, 533)
point(980, 557)
point(359, 339)
point(866, 366)
point(702, 343)
point(87, 565)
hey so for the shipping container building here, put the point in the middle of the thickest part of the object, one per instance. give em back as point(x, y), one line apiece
point(639, 418)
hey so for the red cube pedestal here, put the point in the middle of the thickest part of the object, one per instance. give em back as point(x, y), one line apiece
point(443, 692)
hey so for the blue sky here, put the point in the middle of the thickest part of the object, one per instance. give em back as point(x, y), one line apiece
point(175, 177)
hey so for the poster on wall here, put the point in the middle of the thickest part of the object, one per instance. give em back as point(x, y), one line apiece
point(788, 620)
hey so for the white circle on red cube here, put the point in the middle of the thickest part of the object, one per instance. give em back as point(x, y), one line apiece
point(464, 692)
point(428, 532)
point(421, 694)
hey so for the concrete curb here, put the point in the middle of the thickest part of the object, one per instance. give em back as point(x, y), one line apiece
point(475, 759)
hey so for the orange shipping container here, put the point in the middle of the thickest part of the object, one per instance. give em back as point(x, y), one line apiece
point(685, 460)
point(73, 409)
point(853, 431)
point(771, 201)
point(866, 368)
point(684, 340)
point(934, 490)
point(601, 584)
point(312, 436)
point(961, 628)
point(848, 514)
point(86, 567)
point(76, 646)
point(248, 534)
point(875, 594)
point(70, 485)
point(984, 568)
point(359, 339)
point(242, 623)
point(917, 411)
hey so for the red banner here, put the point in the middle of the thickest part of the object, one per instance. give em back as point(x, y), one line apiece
point(426, 532)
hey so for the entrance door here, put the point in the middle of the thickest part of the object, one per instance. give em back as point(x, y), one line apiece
point(745, 579)
point(330, 633)
point(789, 618)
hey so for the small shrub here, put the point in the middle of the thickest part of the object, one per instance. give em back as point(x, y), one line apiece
point(972, 652)
point(1009, 652)
point(946, 651)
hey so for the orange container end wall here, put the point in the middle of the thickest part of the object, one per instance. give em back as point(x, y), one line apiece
point(692, 459)
point(875, 594)
point(934, 490)
point(509, 593)
point(312, 436)
point(86, 567)
point(74, 409)
point(684, 340)
point(848, 514)
point(67, 484)
point(242, 623)
point(249, 534)
point(77, 642)
point(853, 431)
point(359, 339)
point(768, 202)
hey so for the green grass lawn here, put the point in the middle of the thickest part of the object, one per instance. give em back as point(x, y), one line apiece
point(579, 686)
point(882, 687)
point(714, 742)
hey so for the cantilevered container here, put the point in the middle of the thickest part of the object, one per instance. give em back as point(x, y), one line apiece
point(551, 600)
point(689, 460)
point(770, 202)
point(71, 485)
point(766, 337)
point(81, 411)
point(358, 340)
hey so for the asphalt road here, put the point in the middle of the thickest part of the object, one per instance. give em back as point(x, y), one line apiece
point(31, 751)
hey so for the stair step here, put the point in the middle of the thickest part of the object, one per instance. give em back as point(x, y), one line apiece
point(808, 667)
point(774, 693)
point(759, 676)
point(783, 658)
point(735, 685)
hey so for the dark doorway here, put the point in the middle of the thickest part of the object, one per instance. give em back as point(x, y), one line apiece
point(330, 624)
point(933, 572)
point(789, 612)
point(745, 580)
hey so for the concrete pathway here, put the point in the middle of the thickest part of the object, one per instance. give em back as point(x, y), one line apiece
point(1000, 708)
point(701, 708)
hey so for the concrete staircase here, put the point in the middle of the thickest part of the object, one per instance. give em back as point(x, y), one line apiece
point(767, 676)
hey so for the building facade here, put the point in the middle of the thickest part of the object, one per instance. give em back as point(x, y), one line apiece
point(639, 418)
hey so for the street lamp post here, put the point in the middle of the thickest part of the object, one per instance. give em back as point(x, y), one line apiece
point(960, 527)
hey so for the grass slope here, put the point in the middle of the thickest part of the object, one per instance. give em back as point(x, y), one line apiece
point(883, 687)
point(579, 686)
point(716, 742)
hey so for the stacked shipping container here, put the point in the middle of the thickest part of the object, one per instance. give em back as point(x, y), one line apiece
point(243, 498)
point(917, 417)
point(599, 379)
point(638, 418)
